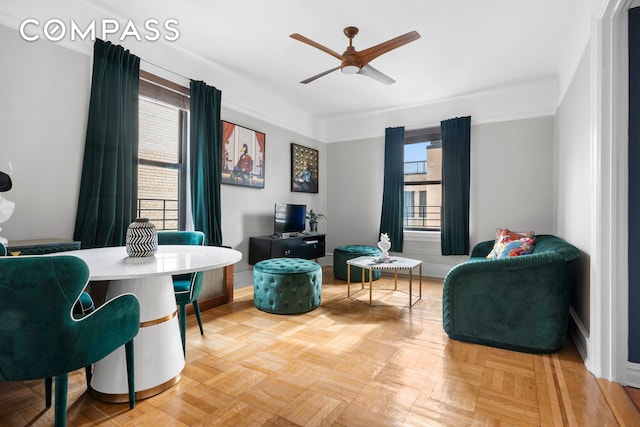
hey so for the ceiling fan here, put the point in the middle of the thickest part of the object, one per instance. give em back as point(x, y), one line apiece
point(354, 62)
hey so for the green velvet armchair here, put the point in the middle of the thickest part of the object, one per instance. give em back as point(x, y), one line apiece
point(186, 287)
point(518, 303)
point(39, 336)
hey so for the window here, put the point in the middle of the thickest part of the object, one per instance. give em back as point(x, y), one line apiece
point(422, 179)
point(408, 203)
point(423, 203)
point(163, 126)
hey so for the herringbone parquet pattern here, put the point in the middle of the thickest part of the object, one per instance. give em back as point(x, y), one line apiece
point(345, 364)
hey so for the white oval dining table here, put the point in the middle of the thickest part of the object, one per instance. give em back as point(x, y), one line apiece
point(158, 355)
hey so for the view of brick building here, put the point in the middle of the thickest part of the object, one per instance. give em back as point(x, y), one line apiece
point(423, 189)
point(159, 168)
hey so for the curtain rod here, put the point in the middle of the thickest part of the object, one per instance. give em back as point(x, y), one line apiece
point(165, 69)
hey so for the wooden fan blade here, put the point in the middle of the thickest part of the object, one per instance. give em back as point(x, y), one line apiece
point(310, 42)
point(369, 71)
point(317, 76)
point(367, 55)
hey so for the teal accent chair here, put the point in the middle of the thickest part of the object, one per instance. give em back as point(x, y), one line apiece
point(81, 308)
point(187, 287)
point(40, 338)
point(519, 303)
point(84, 305)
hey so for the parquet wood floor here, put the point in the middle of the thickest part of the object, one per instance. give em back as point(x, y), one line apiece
point(345, 364)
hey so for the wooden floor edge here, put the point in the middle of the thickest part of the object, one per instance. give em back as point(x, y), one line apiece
point(620, 403)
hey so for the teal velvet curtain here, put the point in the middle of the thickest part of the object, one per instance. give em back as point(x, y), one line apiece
point(107, 200)
point(205, 161)
point(456, 147)
point(393, 192)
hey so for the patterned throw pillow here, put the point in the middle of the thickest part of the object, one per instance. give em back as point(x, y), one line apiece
point(510, 243)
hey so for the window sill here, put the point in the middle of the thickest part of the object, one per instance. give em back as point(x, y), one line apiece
point(422, 236)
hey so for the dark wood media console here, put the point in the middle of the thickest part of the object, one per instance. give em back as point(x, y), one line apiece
point(307, 246)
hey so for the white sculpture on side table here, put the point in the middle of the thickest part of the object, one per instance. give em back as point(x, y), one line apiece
point(6, 206)
point(384, 244)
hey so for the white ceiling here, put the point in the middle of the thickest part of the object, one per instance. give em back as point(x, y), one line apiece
point(467, 46)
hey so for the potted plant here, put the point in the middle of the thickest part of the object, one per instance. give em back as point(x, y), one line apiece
point(313, 220)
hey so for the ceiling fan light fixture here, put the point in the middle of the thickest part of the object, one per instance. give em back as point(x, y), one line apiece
point(350, 69)
point(357, 62)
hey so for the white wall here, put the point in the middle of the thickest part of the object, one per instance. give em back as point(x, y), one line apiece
point(44, 102)
point(511, 186)
point(512, 177)
point(573, 182)
point(354, 181)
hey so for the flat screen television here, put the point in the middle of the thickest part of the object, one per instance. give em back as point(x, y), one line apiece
point(289, 219)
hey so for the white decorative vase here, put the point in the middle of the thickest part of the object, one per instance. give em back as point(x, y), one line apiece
point(384, 245)
point(142, 238)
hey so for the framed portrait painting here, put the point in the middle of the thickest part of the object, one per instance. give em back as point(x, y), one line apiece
point(304, 169)
point(243, 152)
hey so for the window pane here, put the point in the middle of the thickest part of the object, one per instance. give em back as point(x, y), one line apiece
point(160, 171)
point(158, 196)
point(159, 132)
point(423, 203)
point(415, 161)
point(423, 178)
point(434, 163)
point(408, 204)
point(432, 206)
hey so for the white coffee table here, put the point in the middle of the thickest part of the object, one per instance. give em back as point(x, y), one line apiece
point(394, 264)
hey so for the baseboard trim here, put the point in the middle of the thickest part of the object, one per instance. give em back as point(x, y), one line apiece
point(578, 334)
point(633, 375)
point(242, 279)
point(438, 271)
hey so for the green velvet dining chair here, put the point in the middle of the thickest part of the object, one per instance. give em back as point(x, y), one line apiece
point(39, 335)
point(85, 303)
point(81, 308)
point(186, 287)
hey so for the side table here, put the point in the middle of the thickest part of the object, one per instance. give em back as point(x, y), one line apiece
point(392, 264)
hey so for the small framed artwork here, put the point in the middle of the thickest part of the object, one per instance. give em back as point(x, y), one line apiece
point(304, 169)
point(243, 152)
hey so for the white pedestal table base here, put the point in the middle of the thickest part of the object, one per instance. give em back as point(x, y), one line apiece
point(158, 355)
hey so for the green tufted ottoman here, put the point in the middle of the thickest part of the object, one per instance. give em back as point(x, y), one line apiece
point(287, 285)
point(342, 254)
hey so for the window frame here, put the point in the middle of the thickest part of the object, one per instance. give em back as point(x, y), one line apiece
point(430, 134)
point(156, 89)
